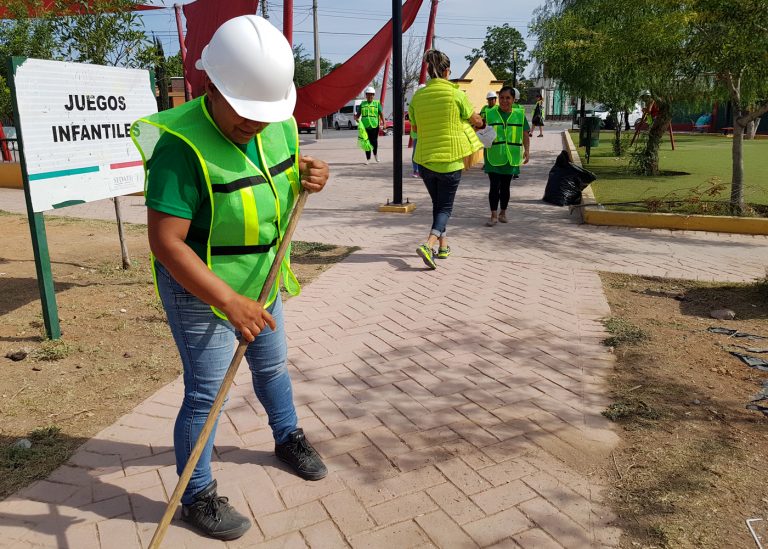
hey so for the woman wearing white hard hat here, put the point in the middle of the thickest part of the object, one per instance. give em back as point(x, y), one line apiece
point(490, 98)
point(369, 116)
point(223, 173)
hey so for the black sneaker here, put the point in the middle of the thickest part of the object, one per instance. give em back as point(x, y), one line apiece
point(301, 456)
point(214, 516)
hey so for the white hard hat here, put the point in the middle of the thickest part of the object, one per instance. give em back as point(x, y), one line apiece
point(251, 63)
point(370, 89)
point(491, 95)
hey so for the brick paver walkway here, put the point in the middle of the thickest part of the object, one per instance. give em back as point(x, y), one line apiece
point(455, 408)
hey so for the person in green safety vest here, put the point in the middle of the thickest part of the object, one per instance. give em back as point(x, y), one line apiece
point(223, 174)
point(491, 98)
point(509, 151)
point(370, 115)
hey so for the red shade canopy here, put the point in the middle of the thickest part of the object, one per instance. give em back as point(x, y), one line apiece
point(52, 7)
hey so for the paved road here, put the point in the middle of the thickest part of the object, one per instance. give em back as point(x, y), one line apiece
point(455, 408)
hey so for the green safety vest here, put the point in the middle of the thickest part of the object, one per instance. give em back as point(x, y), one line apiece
point(508, 146)
point(369, 113)
point(250, 208)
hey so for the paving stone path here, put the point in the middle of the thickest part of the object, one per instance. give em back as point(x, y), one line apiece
point(455, 408)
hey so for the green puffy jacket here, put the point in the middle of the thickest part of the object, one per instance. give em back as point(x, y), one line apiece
point(444, 135)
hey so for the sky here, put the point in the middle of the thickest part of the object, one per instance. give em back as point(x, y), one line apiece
point(345, 25)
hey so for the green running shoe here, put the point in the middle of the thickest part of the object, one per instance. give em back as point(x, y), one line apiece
point(425, 252)
point(443, 253)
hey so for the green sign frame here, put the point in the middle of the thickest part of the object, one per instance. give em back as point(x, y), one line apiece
point(36, 225)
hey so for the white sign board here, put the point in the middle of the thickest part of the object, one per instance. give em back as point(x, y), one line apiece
point(75, 125)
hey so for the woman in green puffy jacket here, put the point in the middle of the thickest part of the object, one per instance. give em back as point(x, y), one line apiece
point(444, 119)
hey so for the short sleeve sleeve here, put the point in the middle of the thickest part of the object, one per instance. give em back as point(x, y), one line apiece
point(174, 184)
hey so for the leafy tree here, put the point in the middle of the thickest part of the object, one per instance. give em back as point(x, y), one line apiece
point(500, 47)
point(24, 37)
point(174, 66)
point(730, 39)
point(304, 72)
point(106, 35)
point(611, 50)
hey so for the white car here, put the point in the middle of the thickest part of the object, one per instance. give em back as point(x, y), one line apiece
point(635, 115)
point(345, 118)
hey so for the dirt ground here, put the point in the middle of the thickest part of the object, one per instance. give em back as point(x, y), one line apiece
point(115, 349)
point(692, 466)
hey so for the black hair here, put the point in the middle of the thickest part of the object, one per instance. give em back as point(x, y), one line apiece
point(509, 89)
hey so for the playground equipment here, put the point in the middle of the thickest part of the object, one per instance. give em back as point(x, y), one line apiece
point(650, 111)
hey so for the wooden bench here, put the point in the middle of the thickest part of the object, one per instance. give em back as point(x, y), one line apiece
point(727, 129)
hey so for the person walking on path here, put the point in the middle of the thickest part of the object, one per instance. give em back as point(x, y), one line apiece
point(504, 157)
point(444, 119)
point(370, 115)
point(223, 174)
point(491, 99)
point(538, 117)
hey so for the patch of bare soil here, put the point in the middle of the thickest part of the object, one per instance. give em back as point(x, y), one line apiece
point(692, 466)
point(115, 349)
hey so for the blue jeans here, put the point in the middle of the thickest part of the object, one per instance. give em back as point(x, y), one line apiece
point(413, 153)
point(442, 190)
point(206, 345)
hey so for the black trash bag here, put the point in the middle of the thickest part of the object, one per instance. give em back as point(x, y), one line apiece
point(566, 181)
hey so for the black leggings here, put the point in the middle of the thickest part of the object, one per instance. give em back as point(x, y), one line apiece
point(373, 137)
point(499, 190)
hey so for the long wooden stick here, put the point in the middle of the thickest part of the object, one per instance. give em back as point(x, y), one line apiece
point(229, 377)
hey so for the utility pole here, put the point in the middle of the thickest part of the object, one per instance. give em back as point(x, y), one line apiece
point(319, 123)
point(183, 50)
point(397, 100)
point(514, 67)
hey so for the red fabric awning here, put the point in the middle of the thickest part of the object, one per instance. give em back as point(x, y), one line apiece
point(52, 7)
point(332, 91)
point(315, 100)
point(203, 18)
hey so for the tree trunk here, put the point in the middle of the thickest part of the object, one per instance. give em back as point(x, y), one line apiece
point(123, 244)
point(751, 130)
point(617, 151)
point(737, 177)
point(650, 156)
point(626, 121)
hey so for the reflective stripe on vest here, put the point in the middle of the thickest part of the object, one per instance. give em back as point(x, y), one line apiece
point(508, 145)
point(369, 113)
point(249, 207)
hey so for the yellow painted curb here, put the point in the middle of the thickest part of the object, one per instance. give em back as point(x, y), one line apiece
point(592, 213)
point(10, 175)
point(398, 208)
point(679, 222)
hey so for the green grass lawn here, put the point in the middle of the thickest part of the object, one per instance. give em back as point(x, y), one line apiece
point(701, 157)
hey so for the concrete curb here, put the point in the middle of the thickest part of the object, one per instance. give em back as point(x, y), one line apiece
point(591, 213)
